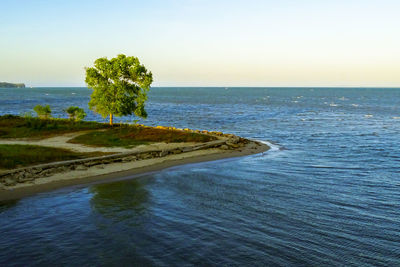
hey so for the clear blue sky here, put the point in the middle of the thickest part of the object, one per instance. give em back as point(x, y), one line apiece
point(205, 42)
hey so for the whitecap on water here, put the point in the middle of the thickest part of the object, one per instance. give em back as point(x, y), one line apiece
point(273, 147)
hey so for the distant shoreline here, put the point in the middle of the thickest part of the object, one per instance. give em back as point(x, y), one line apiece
point(11, 85)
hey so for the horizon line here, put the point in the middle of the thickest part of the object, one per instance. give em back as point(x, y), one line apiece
point(230, 87)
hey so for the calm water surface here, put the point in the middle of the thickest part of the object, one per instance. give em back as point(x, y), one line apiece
point(327, 194)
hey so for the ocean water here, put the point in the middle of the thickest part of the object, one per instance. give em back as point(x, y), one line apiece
point(328, 193)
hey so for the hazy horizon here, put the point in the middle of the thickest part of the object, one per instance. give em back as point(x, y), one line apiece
point(361, 87)
point(205, 43)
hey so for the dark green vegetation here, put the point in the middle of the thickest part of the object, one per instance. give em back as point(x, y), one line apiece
point(43, 112)
point(14, 156)
point(75, 113)
point(29, 127)
point(11, 85)
point(129, 136)
point(120, 86)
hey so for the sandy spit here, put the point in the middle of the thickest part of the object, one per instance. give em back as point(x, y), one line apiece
point(109, 172)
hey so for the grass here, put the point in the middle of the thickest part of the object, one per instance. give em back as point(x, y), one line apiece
point(109, 138)
point(121, 135)
point(15, 156)
point(163, 135)
point(129, 136)
point(30, 127)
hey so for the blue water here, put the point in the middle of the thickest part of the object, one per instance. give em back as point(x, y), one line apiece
point(327, 194)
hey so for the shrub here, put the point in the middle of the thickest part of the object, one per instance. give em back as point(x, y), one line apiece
point(27, 115)
point(76, 113)
point(9, 116)
point(43, 112)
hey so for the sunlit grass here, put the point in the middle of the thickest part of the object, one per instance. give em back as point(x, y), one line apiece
point(129, 136)
point(109, 138)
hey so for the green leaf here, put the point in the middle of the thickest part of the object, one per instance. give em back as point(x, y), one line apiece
point(120, 86)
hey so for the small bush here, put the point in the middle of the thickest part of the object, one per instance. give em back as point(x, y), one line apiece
point(43, 112)
point(9, 117)
point(76, 113)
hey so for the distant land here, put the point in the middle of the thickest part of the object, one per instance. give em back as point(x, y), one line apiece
point(11, 85)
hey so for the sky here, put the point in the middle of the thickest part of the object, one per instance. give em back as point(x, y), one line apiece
point(205, 42)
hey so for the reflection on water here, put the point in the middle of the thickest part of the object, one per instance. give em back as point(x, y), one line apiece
point(4, 205)
point(120, 200)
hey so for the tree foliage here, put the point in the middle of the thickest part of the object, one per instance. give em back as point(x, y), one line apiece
point(43, 112)
point(76, 113)
point(120, 86)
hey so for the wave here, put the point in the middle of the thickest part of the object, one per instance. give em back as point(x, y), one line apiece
point(273, 147)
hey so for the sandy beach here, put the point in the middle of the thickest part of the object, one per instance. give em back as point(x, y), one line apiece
point(120, 170)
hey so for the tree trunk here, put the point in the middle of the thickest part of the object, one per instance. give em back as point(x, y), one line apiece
point(111, 118)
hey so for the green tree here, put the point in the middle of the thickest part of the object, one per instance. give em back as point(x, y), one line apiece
point(43, 112)
point(120, 86)
point(76, 113)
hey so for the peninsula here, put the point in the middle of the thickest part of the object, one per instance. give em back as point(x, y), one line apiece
point(44, 154)
point(11, 85)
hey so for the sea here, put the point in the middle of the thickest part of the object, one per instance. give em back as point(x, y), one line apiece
point(327, 193)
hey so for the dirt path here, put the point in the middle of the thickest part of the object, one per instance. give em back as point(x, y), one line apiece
point(62, 142)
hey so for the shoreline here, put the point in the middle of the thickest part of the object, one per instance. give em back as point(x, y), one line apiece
point(125, 170)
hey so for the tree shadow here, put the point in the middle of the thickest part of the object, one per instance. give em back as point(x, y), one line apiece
point(7, 204)
point(121, 200)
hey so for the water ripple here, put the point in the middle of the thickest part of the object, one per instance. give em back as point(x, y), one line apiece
point(327, 193)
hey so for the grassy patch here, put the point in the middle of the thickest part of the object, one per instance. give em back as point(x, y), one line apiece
point(120, 135)
point(163, 135)
point(109, 138)
point(21, 127)
point(128, 136)
point(14, 156)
